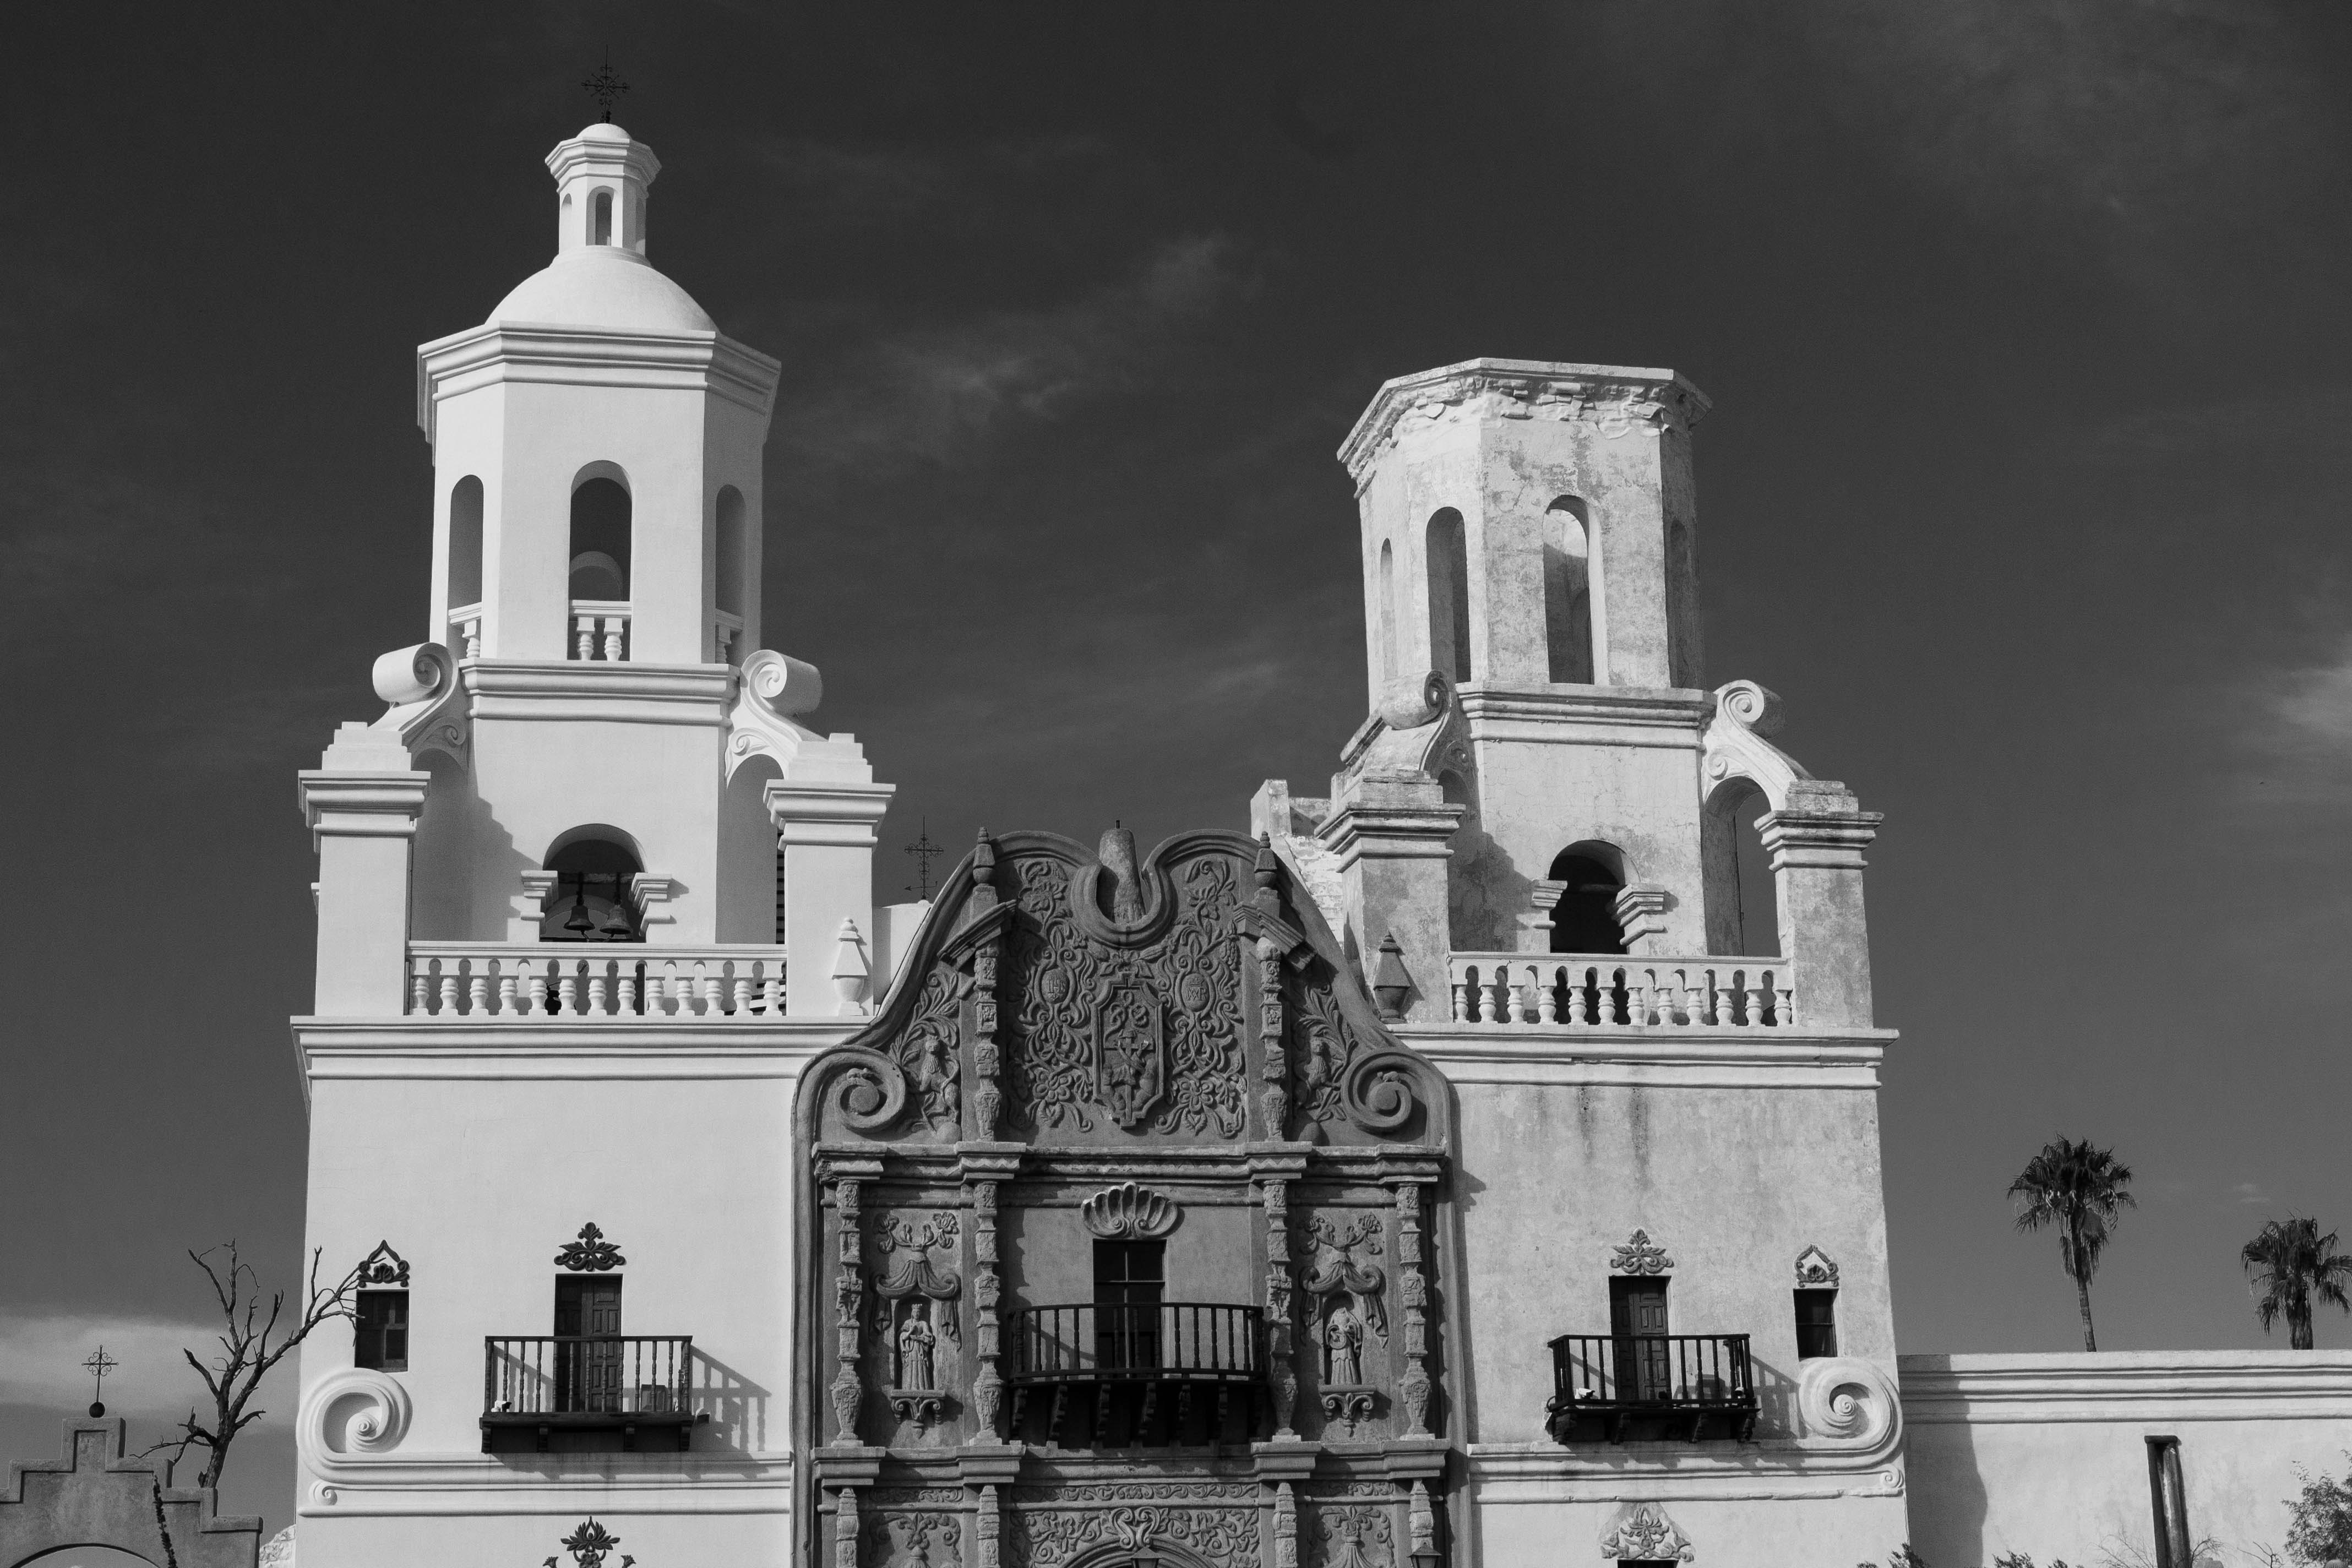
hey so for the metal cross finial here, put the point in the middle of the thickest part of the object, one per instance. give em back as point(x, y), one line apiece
point(605, 86)
point(922, 850)
point(99, 1364)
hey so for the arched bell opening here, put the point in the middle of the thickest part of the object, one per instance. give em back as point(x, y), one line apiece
point(1585, 918)
point(590, 900)
point(1448, 560)
point(1743, 901)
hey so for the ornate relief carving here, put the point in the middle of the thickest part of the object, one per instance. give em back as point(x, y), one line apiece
point(1815, 1270)
point(910, 1528)
point(1129, 1210)
point(845, 1528)
point(1849, 1400)
point(591, 1543)
point(1350, 1535)
point(1053, 1525)
point(383, 1266)
point(1325, 1046)
point(926, 1051)
point(917, 1322)
point(1643, 1532)
point(1274, 1054)
point(592, 1254)
point(1640, 1256)
point(1150, 1036)
point(354, 1411)
point(1346, 1312)
point(987, 1056)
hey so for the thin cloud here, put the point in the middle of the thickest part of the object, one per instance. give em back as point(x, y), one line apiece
point(2295, 732)
point(41, 1357)
point(935, 393)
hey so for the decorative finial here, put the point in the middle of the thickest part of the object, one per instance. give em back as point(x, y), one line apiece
point(99, 1364)
point(922, 850)
point(605, 86)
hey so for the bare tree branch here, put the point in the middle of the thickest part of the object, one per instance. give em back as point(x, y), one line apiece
point(247, 1352)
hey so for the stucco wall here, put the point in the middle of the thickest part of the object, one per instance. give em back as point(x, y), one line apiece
point(2047, 1455)
point(1733, 1183)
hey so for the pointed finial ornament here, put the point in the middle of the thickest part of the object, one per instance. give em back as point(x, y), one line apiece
point(605, 87)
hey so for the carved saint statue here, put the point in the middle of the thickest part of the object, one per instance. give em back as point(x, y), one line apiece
point(916, 1339)
point(1343, 1340)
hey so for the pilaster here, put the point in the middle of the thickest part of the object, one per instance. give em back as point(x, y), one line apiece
point(825, 829)
point(363, 804)
point(1390, 836)
point(1816, 844)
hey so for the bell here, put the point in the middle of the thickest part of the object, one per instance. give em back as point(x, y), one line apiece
point(616, 924)
point(577, 921)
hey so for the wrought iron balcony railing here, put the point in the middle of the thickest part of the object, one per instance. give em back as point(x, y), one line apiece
point(1179, 1372)
point(621, 1383)
point(1173, 1341)
point(1650, 1386)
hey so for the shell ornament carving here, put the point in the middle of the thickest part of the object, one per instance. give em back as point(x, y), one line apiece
point(1848, 1401)
point(1816, 1270)
point(1130, 1212)
point(1639, 1255)
point(1644, 1534)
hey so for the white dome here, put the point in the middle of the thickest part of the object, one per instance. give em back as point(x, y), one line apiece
point(603, 286)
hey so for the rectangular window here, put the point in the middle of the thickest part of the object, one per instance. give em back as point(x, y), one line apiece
point(380, 1328)
point(1816, 1324)
point(1128, 1278)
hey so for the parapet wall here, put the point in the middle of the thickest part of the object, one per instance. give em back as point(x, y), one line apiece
point(2048, 1455)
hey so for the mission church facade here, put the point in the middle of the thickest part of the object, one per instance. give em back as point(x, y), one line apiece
point(1466, 1164)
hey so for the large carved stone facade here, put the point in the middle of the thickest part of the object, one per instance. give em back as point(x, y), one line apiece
point(1086, 1050)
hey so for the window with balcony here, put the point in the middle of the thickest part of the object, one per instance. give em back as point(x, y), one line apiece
point(1642, 1384)
point(587, 1387)
point(1133, 1368)
point(380, 1331)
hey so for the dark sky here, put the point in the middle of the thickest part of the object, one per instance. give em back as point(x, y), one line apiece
point(2025, 326)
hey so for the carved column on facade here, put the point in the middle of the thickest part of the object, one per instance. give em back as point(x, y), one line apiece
point(845, 1527)
point(849, 1300)
point(988, 1383)
point(1286, 1526)
point(988, 1528)
point(1413, 1285)
point(1421, 1524)
point(987, 1053)
point(1274, 1058)
point(1273, 1177)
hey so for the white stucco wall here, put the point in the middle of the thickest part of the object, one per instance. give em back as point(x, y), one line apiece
point(2047, 1455)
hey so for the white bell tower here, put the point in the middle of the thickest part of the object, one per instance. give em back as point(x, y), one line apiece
point(598, 723)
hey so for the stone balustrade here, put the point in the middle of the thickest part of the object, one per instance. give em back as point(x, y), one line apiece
point(600, 629)
point(466, 630)
point(1604, 991)
point(513, 981)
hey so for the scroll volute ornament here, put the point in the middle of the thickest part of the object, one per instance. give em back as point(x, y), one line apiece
point(1130, 1212)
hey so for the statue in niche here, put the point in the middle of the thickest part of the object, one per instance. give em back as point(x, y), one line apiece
point(916, 1340)
point(1343, 1345)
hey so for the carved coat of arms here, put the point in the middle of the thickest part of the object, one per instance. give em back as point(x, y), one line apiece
point(1130, 1053)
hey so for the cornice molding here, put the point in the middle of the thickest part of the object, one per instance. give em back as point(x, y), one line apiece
point(1627, 1057)
point(2127, 1386)
point(1578, 715)
point(695, 694)
point(481, 356)
point(1617, 399)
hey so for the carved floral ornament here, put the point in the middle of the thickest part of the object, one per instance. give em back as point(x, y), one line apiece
point(591, 1254)
point(1639, 1255)
point(1816, 1270)
point(1644, 1534)
point(383, 1266)
point(590, 1544)
point(1129, 1211)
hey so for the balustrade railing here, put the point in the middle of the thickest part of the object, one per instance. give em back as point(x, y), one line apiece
point(1617, 991)
point(1175, 1341)
point(600, 629)
point(466, 630)
point(521, 980)
point(588, 1376)
point(1616, 1376)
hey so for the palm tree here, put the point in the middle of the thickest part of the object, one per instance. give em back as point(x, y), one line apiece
point(2287, 1266)
point(2081, 1191)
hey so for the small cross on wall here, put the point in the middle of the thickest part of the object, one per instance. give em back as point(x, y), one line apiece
point(99, 1364)
point(922, 850)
